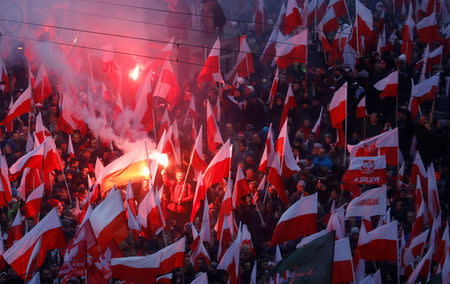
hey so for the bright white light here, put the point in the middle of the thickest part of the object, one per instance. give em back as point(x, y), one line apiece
point(134, 74)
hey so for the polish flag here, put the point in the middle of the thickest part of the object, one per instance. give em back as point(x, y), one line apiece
point(51, 162)
point(230, 260)
point(388, 86)
point(316, 128)
point(416, 246)
point(219, 167)
point(108, 220)
point(428, 30)
point(136, 268)
point(33, 159)
point(15, 232)
point(32, 206)
point(192, 112)
point(336, 222)
point(226, 212)
point(423, 267)
point(275, 178)
point(165, 279)
point(339, 7)
point(150, 216)
point(436, 233)
point(132, 212)
point(419, 223)
point(283, 149)
point(430, 59)
point(361, 111)
point(197, 160)
point(4, 75)
point(240, 188)
point(419, 196)
point(364, 23)
point(199, 251)
point(381, 44)
point(292, 50)
point(247, 239)
point(342, 262)
point(75, 261)
point(424, 91)
point(200, 194)
point(258, 17)
point(70, 118)
point(211, 70)
point(70, 150)
point(418, 169)
point(338, 106)
point(365, 170)
point(358, 262)
point(329, 22)
point(274, 88)
point(408, 36)
point(5, 186)
point(299, 220)
point(143, 111)
point(293, 16)
point(244, 62)
point(269, 152)
point(42, 88)
point(371, 203)
point(164, 54)
point(205, 231)
point(49, 230)
point(385, 144)
point(41, 131)
point(172, 256)
point(289, 103)
point(225, 238)
point(21, 106)
point(32, 263)
point(269, 50)
point(212, 130)
point(167, 85)
point(434, 208)
point(9, 125)
point(380, 243)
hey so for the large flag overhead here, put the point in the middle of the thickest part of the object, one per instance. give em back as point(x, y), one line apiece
point(313, 261)
point(388, 86)
point(167, 85)
point(292, 50)
point(219, 167)
point(214, 138)
point(293, 16)
point(424, 91)
point(21, 106)
point(42, 88)
point(143, 111)
point(365, 170)
point(338, 106)
point(370, 203)
point(380, 243)
point(428, 29)
point(244, 62)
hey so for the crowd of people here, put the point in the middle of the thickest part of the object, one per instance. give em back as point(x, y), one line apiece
point(245, 115)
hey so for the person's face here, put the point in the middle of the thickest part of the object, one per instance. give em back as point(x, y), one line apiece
point(411, 217)
point(179, 176)
point(15, 136)
point(322, 152)
point(76, 138)
point(373, 118)
point(296, 87)
point(84, 171)
point(300, 186)
point(242, 147)
point(283, 79)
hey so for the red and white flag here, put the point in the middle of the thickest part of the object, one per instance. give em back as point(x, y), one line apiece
point(42, 88)
point(408, 35)
point(49, 230)
point(132, 212)
point(143, 111)
point(316, 128)
point(199, 251)
point(199, 195)
point(269, 51)
point(212, 130)
point(418, 169)
point(226, 212)
point(275, 178)
point(259, 17)
point(338, 106)
point(293, 16)
point(150, 216)
point(33, 204)
point(384, 144)
point(205, 231)
point(289, 103)
point(416, 246)
point(167, 85)
point(283, 149)
point(339, 7)
point(33, 159)
point(380, 243)
point(434, 208)
point(75, 261)
point(361, 111)
point(240, 188)
point(15, 232)
point(299, 220)
point(225, 238)
point(136, 268)
point(363, 24)
point(269, 152)
point(41, 131)
point(423, 267)
point(342, 262)
point(211, 70)
point(429, 60)
point(329, 22)
point(5, 186)
point(274, 88)
point(370, 203)
point(4, 75)
point(21, 106)
point(247, 238)
point(336, 222)
point(244, 62)
point(428, 29)
point(365, 170)
point(172, 256)
point(424, 91)
point(230, 260)
point(219, 167)
point(419, 223)
point(388, 86)
point(292, 50)
point(108, 220)
point(197, 159)
point(70, 150)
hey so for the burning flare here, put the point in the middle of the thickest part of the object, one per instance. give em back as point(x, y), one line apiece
point(134, 74)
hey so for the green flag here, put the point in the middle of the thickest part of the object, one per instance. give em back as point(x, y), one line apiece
point(313, 263)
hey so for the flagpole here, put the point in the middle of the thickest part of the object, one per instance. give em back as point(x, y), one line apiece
point(257, 209)
point(265, 194)
point(356, 23)
point(185, 177)
point(345, 136)
point(90, 70)
point(431, 113)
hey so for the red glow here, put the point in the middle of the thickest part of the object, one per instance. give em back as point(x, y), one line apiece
point(134, 74)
